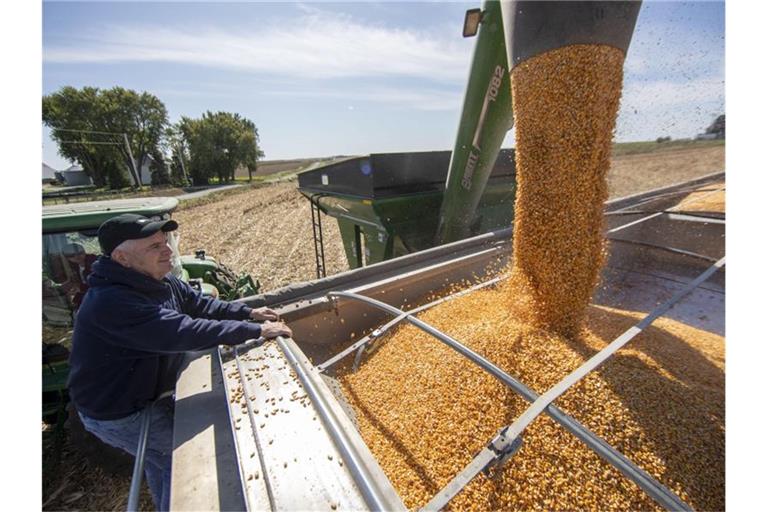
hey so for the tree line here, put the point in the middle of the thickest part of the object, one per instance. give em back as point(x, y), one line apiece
point(111, 133)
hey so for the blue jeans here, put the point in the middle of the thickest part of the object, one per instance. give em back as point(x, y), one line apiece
point(123, 433)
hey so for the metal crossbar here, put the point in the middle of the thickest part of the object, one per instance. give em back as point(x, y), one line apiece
point(651, 486)
point(138, 465)
point(665, 248)
point(134, 491)
point(704, 217)
point(634, 222)
point(670, 211)
point(371, 493)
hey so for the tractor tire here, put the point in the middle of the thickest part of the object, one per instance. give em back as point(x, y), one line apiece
point(113, 461)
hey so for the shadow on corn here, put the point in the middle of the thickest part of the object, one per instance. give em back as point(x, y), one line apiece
point(677, 397)
point(410, 458)
point(432, 446)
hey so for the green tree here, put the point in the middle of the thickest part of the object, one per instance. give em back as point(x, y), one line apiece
point(173, 144)
point(178, 176)
point(158, 168)
point(142, 117)
point(92, 125)
point(73, 116)
point(218, 144)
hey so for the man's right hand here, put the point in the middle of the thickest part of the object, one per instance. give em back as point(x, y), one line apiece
point(275, 329)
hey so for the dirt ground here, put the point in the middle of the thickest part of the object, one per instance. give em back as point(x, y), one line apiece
point(267, 232)
point(631, 174)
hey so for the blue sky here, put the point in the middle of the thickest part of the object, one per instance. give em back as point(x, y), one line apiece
point(321, 78)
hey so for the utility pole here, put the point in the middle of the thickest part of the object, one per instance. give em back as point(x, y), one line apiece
point(180, 150)
point(134, 172)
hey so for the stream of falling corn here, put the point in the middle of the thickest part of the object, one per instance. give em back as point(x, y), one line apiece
point(425, 411)
point(565, 103)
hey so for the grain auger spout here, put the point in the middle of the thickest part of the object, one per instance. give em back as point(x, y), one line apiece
point(532, 28)
point(511, 33)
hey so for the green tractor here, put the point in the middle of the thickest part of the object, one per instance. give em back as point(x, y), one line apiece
point(70, 246)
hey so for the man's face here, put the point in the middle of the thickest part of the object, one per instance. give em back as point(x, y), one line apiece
point(150, 256)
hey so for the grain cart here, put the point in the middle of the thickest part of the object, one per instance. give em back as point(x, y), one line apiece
point(268, 426)
point(70, 247)
point(387, 205)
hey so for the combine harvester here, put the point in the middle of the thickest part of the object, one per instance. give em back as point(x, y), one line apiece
point(267, 427)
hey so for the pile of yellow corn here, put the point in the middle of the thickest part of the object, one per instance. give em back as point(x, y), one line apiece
point(425, 411)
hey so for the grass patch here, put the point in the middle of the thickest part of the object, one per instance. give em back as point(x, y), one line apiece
point(258, 182)
point(60, 196)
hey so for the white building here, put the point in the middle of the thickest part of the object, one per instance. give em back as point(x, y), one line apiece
point(145, 174)
point(73, 176)
point(49, 173)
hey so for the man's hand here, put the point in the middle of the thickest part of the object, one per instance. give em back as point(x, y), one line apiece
point(262, 314)
point(275, 329)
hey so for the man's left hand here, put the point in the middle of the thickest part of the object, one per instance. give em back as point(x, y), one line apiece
point(262, 314)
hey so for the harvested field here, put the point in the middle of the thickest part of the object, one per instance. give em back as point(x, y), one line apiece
point(660, 401)
point(79, 484)
point(635, 173)
point(265, 231)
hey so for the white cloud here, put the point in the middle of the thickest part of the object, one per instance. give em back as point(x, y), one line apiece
point(317, 45)
point(411, 98)
point(399, 95)
point(318, 54)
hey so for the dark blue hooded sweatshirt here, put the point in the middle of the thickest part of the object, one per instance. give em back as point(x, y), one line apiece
point(131, 332)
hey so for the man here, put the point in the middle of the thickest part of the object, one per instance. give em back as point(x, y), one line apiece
point(131, 331)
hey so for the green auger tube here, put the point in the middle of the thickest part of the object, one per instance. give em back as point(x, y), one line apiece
point(485, 120)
